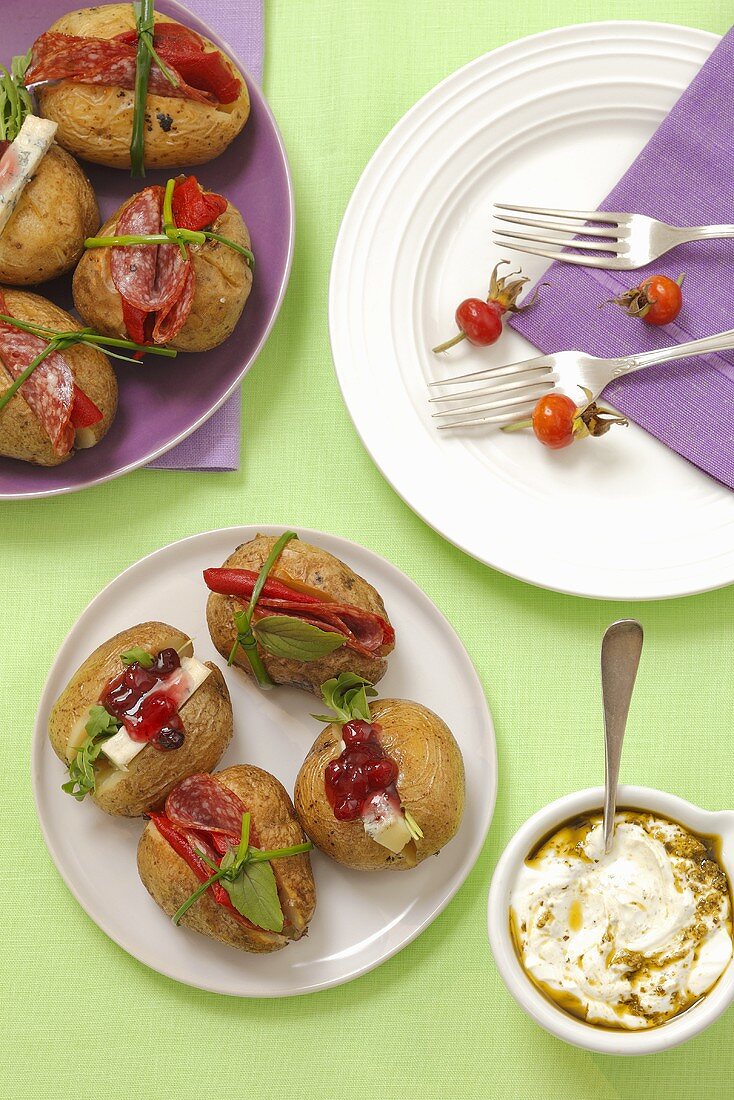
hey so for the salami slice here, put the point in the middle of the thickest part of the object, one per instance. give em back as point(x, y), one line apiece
point(199, 802)
point(49, 392)
point(148, 277)
point(171, 320)
point(106, 61)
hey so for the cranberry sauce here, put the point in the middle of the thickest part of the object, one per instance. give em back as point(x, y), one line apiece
point(146, 700)
point(362, 772)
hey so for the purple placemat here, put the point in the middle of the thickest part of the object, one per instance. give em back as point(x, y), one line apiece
point(682, 176)
point(216, 445)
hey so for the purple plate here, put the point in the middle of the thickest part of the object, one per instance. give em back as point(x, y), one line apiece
point(163, 402)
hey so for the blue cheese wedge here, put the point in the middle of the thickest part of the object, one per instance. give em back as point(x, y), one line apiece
point(121, 748)
point(21, 160)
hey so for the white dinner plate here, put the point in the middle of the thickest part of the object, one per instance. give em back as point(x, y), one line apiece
point(551, 120)
point(360, 919)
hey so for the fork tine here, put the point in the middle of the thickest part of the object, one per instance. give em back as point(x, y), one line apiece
point(566, 257)
point(494, 391)
point(562, 242)
point(563, 227)
point(574, 215)
point(496, 418)
point(538, 362)
point(499, 407)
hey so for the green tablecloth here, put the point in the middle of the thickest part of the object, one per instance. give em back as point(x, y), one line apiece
point(80, 1018)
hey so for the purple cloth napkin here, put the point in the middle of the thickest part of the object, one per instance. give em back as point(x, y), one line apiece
point(684, 176)
point(216, 445)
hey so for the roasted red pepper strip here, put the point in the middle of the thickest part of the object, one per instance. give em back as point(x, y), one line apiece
point(184, 849)
point(241, 582)
point(184, 51)
point(193, 208)
point(84, 412)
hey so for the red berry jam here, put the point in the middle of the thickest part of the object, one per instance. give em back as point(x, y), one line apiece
point(146, 700)
point(362, 771)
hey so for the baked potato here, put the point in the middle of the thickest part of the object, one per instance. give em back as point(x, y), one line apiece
point(44, 236)
point(170, 879)
point(310, 572)
point(95, 119)
point(205, 314)
point(429, 786)
point(136, 777)
point(44, 422)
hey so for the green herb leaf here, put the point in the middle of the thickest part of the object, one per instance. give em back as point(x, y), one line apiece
point(139, 656)
point(254, 894)
point(100, 726)
point(347, 696)
point(285, 636)
point(15, 102)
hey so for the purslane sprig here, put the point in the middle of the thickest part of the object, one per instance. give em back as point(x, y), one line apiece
point(82, 780)
point(248, 878)
point(59, 340)
point(172, 234)
point(346, 695)
point(15, 101)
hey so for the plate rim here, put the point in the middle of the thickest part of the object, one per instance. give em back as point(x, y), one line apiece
point(604, 28)
point(39, 745)
point(255, 92)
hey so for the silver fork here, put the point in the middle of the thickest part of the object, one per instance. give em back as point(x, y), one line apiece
point(520, 385)
point(627, 240)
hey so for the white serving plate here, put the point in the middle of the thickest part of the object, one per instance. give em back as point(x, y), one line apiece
point(551, 120)
point(361, 919)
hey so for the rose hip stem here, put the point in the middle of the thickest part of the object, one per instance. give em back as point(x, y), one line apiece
point(479, 321)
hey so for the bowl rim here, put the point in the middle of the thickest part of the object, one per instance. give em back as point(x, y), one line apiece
point(550, 1016)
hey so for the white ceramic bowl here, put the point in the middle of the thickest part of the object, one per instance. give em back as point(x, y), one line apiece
point(529, 997)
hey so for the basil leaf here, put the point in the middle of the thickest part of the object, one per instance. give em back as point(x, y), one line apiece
point(136, 655)
point(284, 636)
point(254, 895)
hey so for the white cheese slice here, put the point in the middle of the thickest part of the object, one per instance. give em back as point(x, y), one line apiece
point(386, 825)
point(34, 139)
point(121, 748)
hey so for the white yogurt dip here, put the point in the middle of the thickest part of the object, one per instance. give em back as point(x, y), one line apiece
point(628, 939)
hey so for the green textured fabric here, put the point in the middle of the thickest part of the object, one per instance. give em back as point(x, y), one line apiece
point(79, 1018)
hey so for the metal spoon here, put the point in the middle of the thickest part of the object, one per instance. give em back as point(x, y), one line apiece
point(621, 647)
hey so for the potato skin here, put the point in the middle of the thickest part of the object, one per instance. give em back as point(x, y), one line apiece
point(21, 434)
point(170, 881)
point(430, 784)
point(44, 237)
point(317, 569)
point(206, 718)
point(95, 121)
point(223, 284)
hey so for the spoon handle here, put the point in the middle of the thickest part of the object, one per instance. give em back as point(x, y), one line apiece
point(620, 656)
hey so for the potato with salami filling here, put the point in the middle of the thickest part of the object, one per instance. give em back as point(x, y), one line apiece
point(188, 294)
point(68, 402)
point(137, 716)
point(313, 619)
point(228, 858)
point(84, 69)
